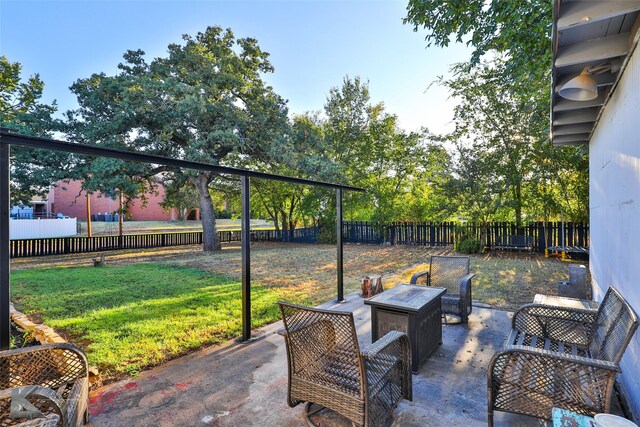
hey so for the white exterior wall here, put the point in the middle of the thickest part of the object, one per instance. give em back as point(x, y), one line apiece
point(614, 191)
point(41, 228)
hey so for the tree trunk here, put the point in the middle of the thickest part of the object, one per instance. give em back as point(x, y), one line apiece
point(276, 220)
point(210, 241)
point(284, 220)
point(518, 198)
point(483, 234)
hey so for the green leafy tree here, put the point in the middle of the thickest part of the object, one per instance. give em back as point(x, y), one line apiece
point(516, 35)
point(519, 30)
point(476, 187)
point(429, 198)
point(21, 109)
point(507, 129)
point(288, 204)
point(559, 185)
point(179, 194)
point(206, 101)
point(372, 152)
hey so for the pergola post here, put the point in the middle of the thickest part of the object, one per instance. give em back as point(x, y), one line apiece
point(246, 259)
point(339, 243)
point(5, 209)
point(9, 138)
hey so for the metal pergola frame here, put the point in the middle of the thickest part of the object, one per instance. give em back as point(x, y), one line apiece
point(8, 138)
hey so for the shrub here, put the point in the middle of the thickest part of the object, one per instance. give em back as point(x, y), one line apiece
point(327, 235)
point(224, 214)
point(327, 232)
point(469, 246)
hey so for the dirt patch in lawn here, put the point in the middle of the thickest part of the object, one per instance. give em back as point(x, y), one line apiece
point(505, 281)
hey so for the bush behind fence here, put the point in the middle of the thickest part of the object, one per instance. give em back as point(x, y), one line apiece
point(424, 234)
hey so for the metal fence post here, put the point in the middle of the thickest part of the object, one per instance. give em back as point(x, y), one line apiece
point(246, 259)
point(5, 209)
point(339, 243)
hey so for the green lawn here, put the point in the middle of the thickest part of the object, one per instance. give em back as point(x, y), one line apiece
point(148, 306)
point(130, 317)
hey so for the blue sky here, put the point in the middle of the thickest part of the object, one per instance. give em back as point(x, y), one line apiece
point(313, 45)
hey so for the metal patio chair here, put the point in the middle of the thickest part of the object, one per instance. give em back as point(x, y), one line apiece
point(561, 357)
point(47, 381)
point(452, 273)
point(328, 370)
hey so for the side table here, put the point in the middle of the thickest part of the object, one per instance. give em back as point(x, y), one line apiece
point(414, 310)
point(583, 304)
point(565, 418)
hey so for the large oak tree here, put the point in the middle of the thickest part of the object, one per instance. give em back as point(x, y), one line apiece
point(206, 101)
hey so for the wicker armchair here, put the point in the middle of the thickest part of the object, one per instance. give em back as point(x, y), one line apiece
point(452, 273)
point(561, 357)
point(52, 377)
point(328, 370)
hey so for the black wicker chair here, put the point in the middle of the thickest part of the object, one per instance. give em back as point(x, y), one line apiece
point(328, 370)
point(561, 357)
point(452, 273)
point(52, 378)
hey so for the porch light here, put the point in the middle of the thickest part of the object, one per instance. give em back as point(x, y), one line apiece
point(580, 88)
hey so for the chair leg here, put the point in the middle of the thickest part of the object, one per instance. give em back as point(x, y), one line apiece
point(489, 402)
point(309, 411)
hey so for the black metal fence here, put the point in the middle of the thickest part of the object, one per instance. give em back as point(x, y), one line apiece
point(423, 233)
point(405, 233)
point(544, 235)
point(76, 245)
point(300, 235)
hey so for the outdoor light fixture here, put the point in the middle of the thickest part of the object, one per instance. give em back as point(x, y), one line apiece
point(580, 88)
point(583, 87)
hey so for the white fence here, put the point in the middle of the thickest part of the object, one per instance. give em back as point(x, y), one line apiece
point(41, 228)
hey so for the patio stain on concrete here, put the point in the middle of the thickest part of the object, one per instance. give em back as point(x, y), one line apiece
point(204, 388)
point(245, 384)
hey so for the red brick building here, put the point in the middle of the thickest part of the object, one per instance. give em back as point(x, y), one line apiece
point(69, 199)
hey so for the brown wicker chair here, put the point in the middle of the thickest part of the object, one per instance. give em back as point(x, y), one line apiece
point(328, 370)
point(452, 273)
point(561, 357)
point(53, 376)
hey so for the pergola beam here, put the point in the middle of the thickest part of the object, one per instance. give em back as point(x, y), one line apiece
point(97, 151)
point(8, 138)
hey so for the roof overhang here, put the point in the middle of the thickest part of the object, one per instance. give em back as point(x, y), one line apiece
point(599, 34)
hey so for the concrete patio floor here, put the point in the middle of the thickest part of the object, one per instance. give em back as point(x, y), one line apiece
point(245, 384)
